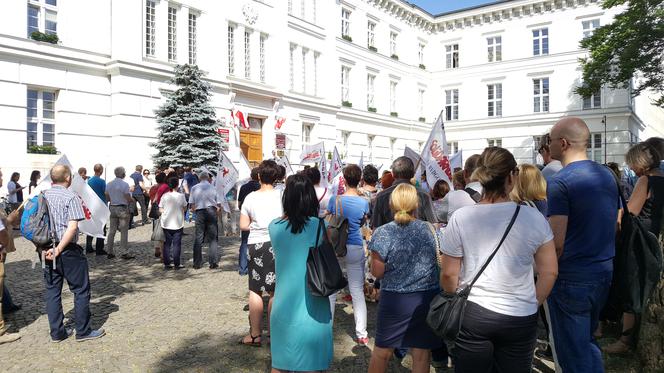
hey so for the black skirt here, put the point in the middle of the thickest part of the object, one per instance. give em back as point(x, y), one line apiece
point(261, 267)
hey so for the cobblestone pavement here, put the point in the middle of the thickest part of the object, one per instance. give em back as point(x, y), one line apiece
point(156, 320)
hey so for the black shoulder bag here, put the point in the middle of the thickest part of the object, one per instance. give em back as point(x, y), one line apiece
point(446, 309)
point(324, 276)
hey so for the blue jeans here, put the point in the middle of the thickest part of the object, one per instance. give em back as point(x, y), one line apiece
point(172, 245)
point(72, 266)
point(243, 264)
point(574, 307)
point(206, 228)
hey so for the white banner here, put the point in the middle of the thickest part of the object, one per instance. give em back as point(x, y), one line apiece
point(456, 161)
point(412, 155)
point(313, 153)
point(434, 156)
point(283, 161)
point(335, 166)
point(96, 211)
point(227, 175)
point(361, 162)
point(323, 166)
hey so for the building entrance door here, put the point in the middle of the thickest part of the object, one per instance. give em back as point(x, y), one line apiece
point(251, 143)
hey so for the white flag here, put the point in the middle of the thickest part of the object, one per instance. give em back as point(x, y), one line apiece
point(96, 211)
point(456, 161)
point(412, 155)
point(434, 156)
point(313, 153)
point(227, 175)
point(361, 162)
point(335, 166)
point(323, 170)
point(283, 161)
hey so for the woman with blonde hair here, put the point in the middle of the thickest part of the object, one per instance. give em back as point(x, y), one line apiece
point(499, 328)
point(530, 188)
point(403, 255)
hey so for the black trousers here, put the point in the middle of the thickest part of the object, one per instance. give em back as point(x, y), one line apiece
point(493, 342)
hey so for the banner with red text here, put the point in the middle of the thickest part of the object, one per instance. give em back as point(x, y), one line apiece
point(313, 153)
point(434, 155)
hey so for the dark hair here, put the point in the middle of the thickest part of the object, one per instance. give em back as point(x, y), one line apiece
point(493, 167)
point(403, 168)
point(370, 175)
point(254, 174)
point(14, 174)
point(544, 143)
point(173, 182)
point(268, 172)
point(282, 173)
point(440, 190)
point(160, 178)
point(313, 174)
point(352, 175)
point(658, 144)
point(471, 164)
point(34, 176)
point(299, 202)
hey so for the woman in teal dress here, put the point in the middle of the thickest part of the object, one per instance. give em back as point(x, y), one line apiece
point(300, 323)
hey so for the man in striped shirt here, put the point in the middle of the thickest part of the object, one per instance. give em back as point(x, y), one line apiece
point(65, 211)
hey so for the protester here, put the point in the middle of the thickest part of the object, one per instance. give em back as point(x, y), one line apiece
point(148, 182)
point(258, 210)
point(439, 191)
point(156, 192)
point(204, 203)
point(188, 180)
point(280, 183)
point(368, 189)
point(35, 176)
point(300, 323)
point(138, 193)
point(658, 144)
point(98, 185)
point(172, 206)
point(458, 181)
point(119, 198)
point(83, 173)
point(530, 188)
point(499, 327)
point(252, 186)
point(551, 165)
point(403, 255)
point(647, 203)
point(324, 194)
point(230, 218)
point(467, 196)
point(65, 211)
point(354, 208)
point(625, 188)
point(583, 207)
point(403, 170)
point(5, 237)
point(386, 180)
point(14, 191)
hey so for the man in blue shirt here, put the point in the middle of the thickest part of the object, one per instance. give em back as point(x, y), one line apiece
point(99, 186)
point(583, 208)
point(138, 193)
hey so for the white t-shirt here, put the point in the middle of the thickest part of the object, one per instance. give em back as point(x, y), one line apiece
point(173, 204)
point(12, 197)
point(117, 190)
point(261, 208)
point(323, 195)
point(507, 285)
point(457, 199)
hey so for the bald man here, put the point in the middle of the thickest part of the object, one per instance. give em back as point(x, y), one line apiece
point(65, 211)
point(583, 208)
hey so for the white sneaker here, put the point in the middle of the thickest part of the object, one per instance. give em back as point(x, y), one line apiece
point(9, 337)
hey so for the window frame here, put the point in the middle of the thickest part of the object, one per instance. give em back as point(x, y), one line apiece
point(40, 120)
point(593, 102)
point(593, 151)
point(495, 142)
point(495, 90)
point(393, 96)
point(421, 92)
point(420, 52)
point(261, 52)
point(540, 41)
point(393, 43)
point(43, 11)
point(371, 91)
point(589, 26)
point(494, 48)
point(451, 104)
point(345, 83)
point(345, 22)
point(172, 33)
point(452, 56)
point(192, 34)
point(541, 98)
point(231, 49)
point(371, 34)
point(291, 66)
point(247, 53)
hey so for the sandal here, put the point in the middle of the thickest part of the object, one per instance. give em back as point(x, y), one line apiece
point(253, 342)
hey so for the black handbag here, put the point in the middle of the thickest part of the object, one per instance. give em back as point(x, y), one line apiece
point(154, 211)
point(446, 309)
point(324, 276)
point(337, 227)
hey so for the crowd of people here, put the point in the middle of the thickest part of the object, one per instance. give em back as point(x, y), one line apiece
point(553, 229)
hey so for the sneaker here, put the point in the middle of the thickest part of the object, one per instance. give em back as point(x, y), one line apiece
point(9, 337)
point(69, 332)
point(214, 266)
point(110, 256)
point(179, 266)
point(89, 250)
point(167, 267)
point(93, 335)
point(362, 341)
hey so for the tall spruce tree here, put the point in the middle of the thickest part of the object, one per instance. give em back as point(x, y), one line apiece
point(187, 123)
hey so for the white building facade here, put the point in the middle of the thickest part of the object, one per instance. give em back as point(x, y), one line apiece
point(369, 76)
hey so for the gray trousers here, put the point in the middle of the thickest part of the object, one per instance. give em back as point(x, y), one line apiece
point(119, 220)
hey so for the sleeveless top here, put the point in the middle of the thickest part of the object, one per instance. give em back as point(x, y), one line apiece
point(651, 212)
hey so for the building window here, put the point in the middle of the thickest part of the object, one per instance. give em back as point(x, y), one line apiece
point(451, 104)
point(261, 47)
point(495, 99)
point(345, 136)
point(247, 54)
point(452, 56)
point(589, 27)
point(345, 76)
point(537, 157)
point(304, 69)
point(540, 42)
point(371, 80)
point(42, 16)
point(420, 53)
point(453, 147)
point(595, 147)
point(541, 95)
point(345, 22)
point(371, 34)
point(291, 67)
point(290, 7)
point(150, 30)
point(307, 128)
point(420, 103)
point(40, 118)
point(192, 39)
point(231, 50)
point(494, 142)
point(594, 101)
point(172, 34)
point(495, 48)
point(303, 9)
point(393, 43)
point(393, 97)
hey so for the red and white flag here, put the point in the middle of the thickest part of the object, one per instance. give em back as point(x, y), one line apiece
point(313, 153)
point(227, 175)
point(279, 121)
point(335, 166)
point(434, 156)
point(240, 119)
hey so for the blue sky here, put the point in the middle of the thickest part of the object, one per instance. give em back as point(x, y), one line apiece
point(440, 6)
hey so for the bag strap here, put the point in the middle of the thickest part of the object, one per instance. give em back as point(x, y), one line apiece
point(339, 206)
point(437, 242)
point(321, 224)
point(323, 196)
point(486, 264)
